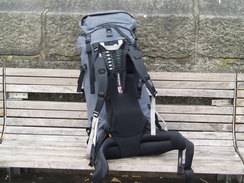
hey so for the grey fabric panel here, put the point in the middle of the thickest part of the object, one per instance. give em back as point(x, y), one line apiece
point(122, 19)
point(145, 102)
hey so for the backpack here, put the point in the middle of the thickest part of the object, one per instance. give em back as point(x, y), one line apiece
point(117, 90)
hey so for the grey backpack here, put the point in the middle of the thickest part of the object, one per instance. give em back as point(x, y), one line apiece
point(110, 30)
point(123, 120)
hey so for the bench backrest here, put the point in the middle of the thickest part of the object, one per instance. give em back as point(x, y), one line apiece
point(64, 118)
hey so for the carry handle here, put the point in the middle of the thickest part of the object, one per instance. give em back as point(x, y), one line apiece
point(103, 13)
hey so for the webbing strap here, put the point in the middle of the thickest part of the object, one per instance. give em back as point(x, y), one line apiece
point(152, 116)
point(186, 167)
point(162, 119)
point(189, 176)
point(91, 137)
point(141, 69)
point(101, 76)
point(80, 79)
point(91, 62)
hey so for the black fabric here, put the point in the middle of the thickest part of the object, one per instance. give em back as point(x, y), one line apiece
point(81, 77)
point(127, 123)
point(138, 63)
point(163, 142)
point(91, 62)
point(124, 114)
point(127, 126)
point(101, 75)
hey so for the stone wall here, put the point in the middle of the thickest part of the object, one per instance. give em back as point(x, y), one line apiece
point(174, 35)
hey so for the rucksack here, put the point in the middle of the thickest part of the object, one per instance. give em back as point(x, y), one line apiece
point(117, 88)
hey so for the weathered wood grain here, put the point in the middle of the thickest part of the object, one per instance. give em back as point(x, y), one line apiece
point(40, 88)
point(240, 93)
point(200, 127)
point(240, 77)
point(194, 109)
point(45, 131)
point(42, 122)
point(193, 85)
point(42, 72)
point(240, 102)
point(181, 76)
point(59, 81)
point(46, 114)
point(47, 105)
point(196, 93)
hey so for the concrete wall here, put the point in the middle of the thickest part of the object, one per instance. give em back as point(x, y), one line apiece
point(174, 35)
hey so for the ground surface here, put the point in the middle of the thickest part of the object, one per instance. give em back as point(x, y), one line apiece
point(33, 176)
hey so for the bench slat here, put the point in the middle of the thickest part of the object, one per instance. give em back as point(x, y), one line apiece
point(83, 115)
point(185, 109)
point(42, 81)
point(161, 92)
point(240, 93)
point(240, 77)
point(239, 119)
point(194, 85)
point(47, 105)
point(230, 167)
point(239, 110)
point(46, 114)
point(78, 123)
point(45, 130)
point(200, 127)
point(240, 136)
point(194, 109)
point(40, 88)
point(42, 72)
point(240, 102)
point(197, 118)
point(239, 127)
point(199, 155)
point(83, 137)
point(196, 93)
point(186, 76)
point(240, 85)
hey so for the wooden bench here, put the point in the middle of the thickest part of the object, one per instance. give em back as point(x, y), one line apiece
point(51, 134)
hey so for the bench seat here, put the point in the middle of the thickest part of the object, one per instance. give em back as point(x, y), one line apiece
point(52, 134)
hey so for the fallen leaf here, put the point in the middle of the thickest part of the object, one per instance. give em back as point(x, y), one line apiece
point(136, 176)
point(116, 180)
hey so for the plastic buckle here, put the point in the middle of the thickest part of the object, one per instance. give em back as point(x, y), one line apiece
point(95, 47)
point(88, 39)
point(83, 67)
point(101, 94)
point(109, 32)
point(95, 114)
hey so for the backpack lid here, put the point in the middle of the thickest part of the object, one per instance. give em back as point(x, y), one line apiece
point(91, 22)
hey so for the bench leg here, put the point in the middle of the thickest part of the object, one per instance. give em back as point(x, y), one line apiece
point(12, 172)
point(228, 178)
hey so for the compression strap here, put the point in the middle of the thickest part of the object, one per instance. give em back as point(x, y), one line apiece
point(152, 116)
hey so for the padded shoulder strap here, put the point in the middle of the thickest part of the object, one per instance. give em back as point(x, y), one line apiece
point(101, 76)
point(138, 62)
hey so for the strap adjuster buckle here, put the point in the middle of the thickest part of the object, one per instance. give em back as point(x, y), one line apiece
point(101, 94)
point(95, 114)
point(109, 32)
point(83, 67)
